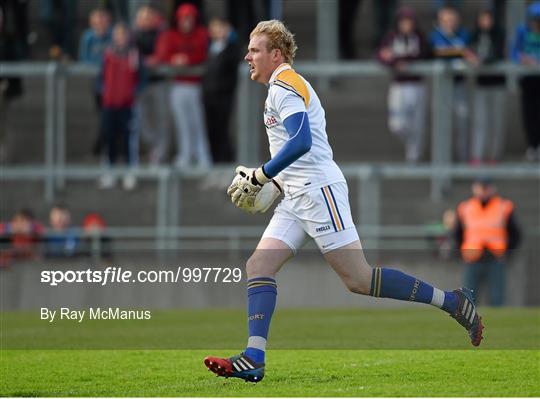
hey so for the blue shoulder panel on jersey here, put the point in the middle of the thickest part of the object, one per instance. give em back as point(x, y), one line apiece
point(299, 143)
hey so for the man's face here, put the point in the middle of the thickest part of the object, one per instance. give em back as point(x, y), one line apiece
point(406, 26)
point(100, 22)
point(145, 19)
point(21, 224)
point(448, 20)
point(186, 24)
point(218, 30)
point(59, 219)
point(262, 62)
point(485, 21)
point(121, 37)
point(483, 191)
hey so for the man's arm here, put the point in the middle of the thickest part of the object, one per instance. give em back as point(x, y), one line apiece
point(514, 232)
point(299, 143)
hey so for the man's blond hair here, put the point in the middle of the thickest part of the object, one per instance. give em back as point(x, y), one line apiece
point(279, 37)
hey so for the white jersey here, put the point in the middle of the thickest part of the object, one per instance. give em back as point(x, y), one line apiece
point(290, 93)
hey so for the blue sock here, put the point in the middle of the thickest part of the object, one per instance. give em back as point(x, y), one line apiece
point(262, 294)
point(391, 283)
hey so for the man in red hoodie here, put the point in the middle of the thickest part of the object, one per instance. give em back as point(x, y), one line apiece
point(186, 44)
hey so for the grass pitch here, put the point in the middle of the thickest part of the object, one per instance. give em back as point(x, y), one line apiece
point(510, 368)
point(289, 373)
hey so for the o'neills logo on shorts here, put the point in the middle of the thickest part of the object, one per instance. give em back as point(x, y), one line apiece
point(322, 228)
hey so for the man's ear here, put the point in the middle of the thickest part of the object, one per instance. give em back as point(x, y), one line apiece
point(276, 54)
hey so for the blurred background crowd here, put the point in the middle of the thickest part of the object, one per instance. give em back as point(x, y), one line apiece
point(142, 116)
point(125, 39)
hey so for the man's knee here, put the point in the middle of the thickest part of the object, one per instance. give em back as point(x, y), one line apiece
point(358, 285)
point(258, 266)
point(358, 282)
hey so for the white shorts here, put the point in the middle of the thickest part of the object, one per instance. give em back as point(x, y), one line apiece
point(324, 214)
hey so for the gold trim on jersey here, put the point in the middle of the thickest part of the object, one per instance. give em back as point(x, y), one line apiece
point(290, 80)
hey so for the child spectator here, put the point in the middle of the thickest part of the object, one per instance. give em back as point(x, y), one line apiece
point(22, 237)
point(526, 51)
point(151, 117)
point(489, 121)
point(122, 76)
point(92, 46)
point(219, 85)
point(407, 93)
point(449, 42)
point(96, 241)
point(62, 240)
point(186, 44)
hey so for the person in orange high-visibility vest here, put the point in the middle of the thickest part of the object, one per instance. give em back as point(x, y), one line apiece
point(486, 231)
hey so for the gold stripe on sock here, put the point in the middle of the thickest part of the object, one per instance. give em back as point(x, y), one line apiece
point(378, 282)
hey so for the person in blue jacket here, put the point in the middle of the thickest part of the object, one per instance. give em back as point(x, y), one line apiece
point(449, 42)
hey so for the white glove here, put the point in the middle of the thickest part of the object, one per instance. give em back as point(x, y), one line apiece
point(245, 189)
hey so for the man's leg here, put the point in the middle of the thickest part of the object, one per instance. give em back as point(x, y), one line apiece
point(359, 277)
point(497, 282)
point(473, 277)
point(179, 107)
point(261, 268)
point(199, 140)
point(270, 255)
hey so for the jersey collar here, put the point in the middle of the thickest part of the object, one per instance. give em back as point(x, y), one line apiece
point(279, 69)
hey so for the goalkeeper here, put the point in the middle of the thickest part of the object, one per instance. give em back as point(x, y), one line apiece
point(315, 204)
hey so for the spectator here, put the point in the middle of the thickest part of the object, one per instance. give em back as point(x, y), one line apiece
point(449, 42)
point(122, 74)
point(22, 235)
point(242, 15)
point(440, 235)
point(96, 241)
point(13, 47)
point(14, 27)
point(172, 7)
point(183, 45)
point(62, 240)
point(60, 18)
point(347, 10)
point(407, 93)
point(149, 107)
point(219, 85)
point(489, 119)
point(486, 232)
point(92, 46)
point(526, 51)
point(13, 43)
point(97, 38)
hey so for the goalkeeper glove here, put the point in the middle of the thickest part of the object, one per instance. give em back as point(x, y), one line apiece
point(245, 190)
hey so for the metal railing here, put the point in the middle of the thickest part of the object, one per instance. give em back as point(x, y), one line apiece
point(168, 222)
point(439, 72)
point(248, 117)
